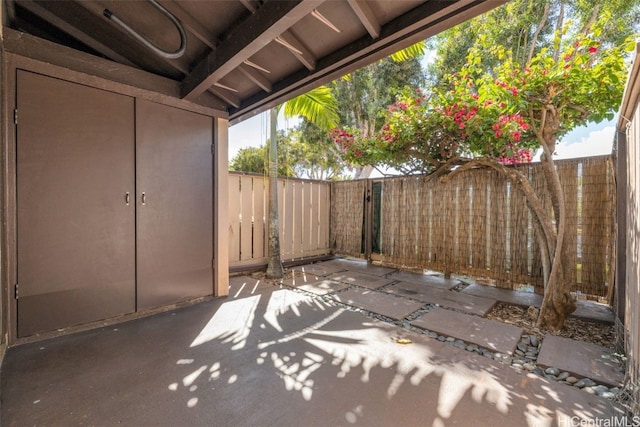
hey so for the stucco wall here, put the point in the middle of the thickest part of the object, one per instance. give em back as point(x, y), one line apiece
point(629, 253)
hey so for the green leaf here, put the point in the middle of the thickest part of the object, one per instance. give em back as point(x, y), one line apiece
point(318, 106)
point(414, 51)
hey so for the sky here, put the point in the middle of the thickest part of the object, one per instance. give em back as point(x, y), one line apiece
point(254, 132)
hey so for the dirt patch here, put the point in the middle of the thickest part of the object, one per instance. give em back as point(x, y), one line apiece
point(597, 333)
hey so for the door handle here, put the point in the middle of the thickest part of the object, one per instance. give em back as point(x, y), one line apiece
point(127, 198)
point(144, 199)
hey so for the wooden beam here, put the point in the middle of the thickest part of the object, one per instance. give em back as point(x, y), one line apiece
point(191, 25)
point(250, 5)
point(226, 96)
point(366, 17)
point(97, 9)
point(220, 207)
point(80, 17)
point(8, 13)
point(80, 35)
point(59, 61)
point(301, 51)
point(256, 77)
point(258, 30)
point(423, 21)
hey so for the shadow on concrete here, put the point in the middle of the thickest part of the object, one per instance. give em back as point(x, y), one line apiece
point(272, 357)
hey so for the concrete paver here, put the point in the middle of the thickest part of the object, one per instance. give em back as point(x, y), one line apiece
point(378, 302)
point(523, 299)
point(485, 333)
point(300, 279)
point(273, 358)
point(321, 286)
point(359, 265)
point(427, 279)
point(463, 302)
point(581, 359)
point(360, 279)
point(318, 269)
point(587, 310)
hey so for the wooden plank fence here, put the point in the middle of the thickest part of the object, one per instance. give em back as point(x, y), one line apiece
point(304, 218)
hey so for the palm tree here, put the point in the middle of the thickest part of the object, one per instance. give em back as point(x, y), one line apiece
point(319, 107)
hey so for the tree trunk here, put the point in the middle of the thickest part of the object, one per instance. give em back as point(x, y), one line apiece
point(558, 302)
point(274, 269)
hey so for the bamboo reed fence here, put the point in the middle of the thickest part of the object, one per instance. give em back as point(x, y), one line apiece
point(347, 216)
point(476, 223)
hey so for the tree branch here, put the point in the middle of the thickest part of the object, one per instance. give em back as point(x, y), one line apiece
point(534, 39)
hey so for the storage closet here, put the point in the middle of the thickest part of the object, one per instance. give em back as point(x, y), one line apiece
point(114, 204)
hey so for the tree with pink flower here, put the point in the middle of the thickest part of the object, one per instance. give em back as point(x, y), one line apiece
point(496, 116)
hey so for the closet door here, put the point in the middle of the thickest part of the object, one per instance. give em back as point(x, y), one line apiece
point(174, 205)
point(75, 229)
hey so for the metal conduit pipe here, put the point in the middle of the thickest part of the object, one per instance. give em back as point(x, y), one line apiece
point(158, 51)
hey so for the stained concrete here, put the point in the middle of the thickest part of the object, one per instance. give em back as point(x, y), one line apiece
point(581, 359)
point(360, 279)
point(359, 265)
point(490, 334)
point(246, 285)
point(378, 302)
point(427, 279)
point(272, 358)
point(450, 299)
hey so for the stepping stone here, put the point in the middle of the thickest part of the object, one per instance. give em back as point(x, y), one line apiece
point(581, 359)
point(427, 279)
point(377, 302)
point(520, 298)
point(301, 280)
point(590, 310)
point(245, 285)
point(491, 334)
point(468, 303)
point(360, 279)
point(320, 286)
point(360, 266)
point(317, 269)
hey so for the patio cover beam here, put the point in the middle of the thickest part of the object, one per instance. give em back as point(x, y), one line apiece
point(425, 20)
point(258, 30)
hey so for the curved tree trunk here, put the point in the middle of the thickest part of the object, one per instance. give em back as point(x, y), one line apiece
point(558, 302)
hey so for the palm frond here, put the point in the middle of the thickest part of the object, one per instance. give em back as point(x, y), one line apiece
point(413, 51)
point(318, 106)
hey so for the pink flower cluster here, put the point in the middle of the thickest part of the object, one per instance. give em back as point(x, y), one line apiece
point(460, 113)
point(521, 155)
point(342, 139)
point(512, 89)
point(399, 105)
point(513, 124)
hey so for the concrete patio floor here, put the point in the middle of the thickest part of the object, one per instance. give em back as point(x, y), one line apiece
point(266, 356)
